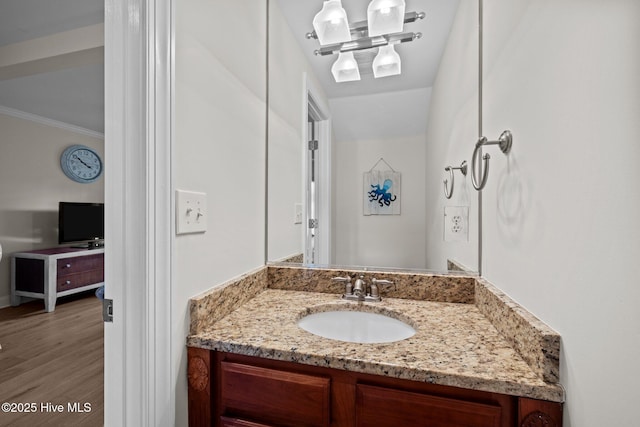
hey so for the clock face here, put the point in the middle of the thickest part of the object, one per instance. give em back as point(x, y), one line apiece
point(81, 163)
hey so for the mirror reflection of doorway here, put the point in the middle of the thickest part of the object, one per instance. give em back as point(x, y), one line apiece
point(316, 235)
point(313, 222)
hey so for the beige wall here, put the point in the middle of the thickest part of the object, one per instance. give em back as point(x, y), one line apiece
point(287, 65)
point(218, 149)
point(31, 185)
point(452, 130)
point(396, 241)
point(367, 130)
point(562, 231)
point(560, 212)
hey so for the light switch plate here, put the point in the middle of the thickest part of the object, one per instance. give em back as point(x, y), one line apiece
point(297, 213)
point(191, 212)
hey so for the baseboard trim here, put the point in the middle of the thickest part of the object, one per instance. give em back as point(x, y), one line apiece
point(5, 301)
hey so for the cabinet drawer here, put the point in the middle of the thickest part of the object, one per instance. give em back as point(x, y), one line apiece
point(71, 281)
point(68, 266)
point(237, 422)
point(273, 396)
point(381, 406)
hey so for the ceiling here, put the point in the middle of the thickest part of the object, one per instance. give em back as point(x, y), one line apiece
point(76, 95)
point(71, 95)
point(420, 58)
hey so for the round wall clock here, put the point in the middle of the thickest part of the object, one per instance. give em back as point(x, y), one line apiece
point(81, 163)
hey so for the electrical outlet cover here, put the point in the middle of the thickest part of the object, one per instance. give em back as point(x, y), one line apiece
point(456, 224)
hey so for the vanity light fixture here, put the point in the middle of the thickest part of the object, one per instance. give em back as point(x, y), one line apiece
point(345, 69)
point(385, 17)
point(380, 12)
point(331, 23)
point(387, 62)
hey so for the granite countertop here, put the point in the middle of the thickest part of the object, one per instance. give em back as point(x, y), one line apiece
point(455, 344)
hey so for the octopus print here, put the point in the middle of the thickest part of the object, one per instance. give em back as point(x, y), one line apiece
point(382, 194)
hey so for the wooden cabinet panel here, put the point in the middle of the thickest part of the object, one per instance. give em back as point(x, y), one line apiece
point(232, 390)
point(29, 275)
point(378, 406)
point(533, 413)
point(199, 376)
point(274, 396)
point(237, 422)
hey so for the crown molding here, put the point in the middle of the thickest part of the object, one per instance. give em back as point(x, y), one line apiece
point(50, 122)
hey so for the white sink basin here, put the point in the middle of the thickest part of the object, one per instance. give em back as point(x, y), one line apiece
point(356, 326)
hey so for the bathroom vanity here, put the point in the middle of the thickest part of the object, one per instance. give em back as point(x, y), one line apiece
point(476, 357)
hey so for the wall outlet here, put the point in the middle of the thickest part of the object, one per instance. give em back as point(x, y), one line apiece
point(456, 223)
point(191, 212)
point(297, 213)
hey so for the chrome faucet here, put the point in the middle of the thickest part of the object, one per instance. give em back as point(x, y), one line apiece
point(360, 288)
point(359, 292)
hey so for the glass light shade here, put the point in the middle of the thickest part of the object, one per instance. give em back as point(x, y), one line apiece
point(387, 62)
point(385, 17)
point(331, 24)
point(345, 69)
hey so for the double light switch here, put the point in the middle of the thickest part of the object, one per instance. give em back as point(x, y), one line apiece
point(191, 212)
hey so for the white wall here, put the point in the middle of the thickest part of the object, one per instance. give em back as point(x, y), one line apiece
point(452, 130)
point(287, 64)
point(31, 185)
point(561, 211)
point(366, 129)
point(219, 149)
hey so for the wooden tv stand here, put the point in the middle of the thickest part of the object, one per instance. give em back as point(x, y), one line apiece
point(51, 273)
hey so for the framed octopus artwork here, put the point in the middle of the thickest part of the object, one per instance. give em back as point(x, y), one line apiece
point(382, 192)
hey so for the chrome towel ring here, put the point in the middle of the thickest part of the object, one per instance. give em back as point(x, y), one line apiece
point(504, 142)
point(463, 168)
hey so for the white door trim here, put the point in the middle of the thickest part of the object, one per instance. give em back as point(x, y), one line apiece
point(324, 156)
point(138, 214)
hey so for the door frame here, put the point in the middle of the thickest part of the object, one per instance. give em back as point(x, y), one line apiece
point(138, 389)
point(311, 94)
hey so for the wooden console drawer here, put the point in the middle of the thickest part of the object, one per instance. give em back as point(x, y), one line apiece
point(77, 280)
point(67, 266)
point(274, 397)
point(49, 273)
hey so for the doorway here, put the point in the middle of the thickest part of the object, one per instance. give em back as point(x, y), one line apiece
point(317, 176)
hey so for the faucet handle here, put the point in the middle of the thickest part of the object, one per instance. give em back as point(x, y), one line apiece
point(348, 288)
point(378, 282)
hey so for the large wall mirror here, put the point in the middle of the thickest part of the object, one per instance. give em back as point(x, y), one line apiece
point(356, 168)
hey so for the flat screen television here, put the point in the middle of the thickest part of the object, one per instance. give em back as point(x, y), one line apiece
point(81, 223)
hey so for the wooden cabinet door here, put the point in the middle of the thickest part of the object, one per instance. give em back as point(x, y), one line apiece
point(273, 396)
point(238, 422)
point(380, 407)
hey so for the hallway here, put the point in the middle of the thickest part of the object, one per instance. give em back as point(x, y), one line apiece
point(53, 359)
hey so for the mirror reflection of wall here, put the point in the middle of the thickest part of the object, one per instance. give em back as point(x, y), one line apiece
point(420, 121)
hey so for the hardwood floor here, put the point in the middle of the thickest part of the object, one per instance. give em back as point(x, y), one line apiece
point(53, 358)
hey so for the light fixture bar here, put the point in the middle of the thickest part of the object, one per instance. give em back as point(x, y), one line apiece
point(360, 28)
point(367, 43)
